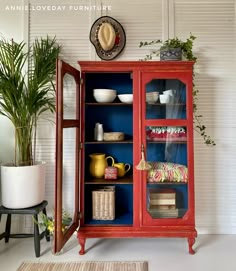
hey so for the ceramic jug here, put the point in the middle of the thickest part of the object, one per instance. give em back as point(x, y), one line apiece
point(98, 164)
point(122, 168)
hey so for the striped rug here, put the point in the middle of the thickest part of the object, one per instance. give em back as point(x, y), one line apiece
point(85, 266)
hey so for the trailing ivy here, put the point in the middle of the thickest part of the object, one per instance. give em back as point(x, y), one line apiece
point(187, 52)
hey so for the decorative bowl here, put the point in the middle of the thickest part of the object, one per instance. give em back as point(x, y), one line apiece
point(164, 98)
point(152, 97)
point(108, 97)
point(126, 98)
point(113, 136)
point(103, 90)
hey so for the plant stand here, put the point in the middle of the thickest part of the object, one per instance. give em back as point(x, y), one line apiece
point(28, 211)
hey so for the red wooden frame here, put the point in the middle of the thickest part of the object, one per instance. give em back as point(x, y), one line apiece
point(142, 72)
point(61, 123)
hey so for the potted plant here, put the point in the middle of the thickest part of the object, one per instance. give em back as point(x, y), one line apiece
point(184, 48)
point(171, 49)
point(25, 94)
point(47, 223)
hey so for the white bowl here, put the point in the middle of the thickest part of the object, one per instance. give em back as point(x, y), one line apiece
point(104, 91)
point(126, 98)
point(104, 97)
point(164, 98)
point(169, 92)
point(152, 97)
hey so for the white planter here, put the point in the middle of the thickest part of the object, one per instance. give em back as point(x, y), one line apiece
point(22, 187)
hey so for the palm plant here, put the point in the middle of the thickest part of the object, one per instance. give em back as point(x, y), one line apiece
point(26, 93)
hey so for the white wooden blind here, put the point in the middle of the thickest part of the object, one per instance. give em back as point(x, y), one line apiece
point(70, 23)
point(213, 23)
point(71, 26)
point(141, 20)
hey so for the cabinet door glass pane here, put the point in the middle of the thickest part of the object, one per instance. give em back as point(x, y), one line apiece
point(165, 99)
point(68, 179)
point(69, 97)
point(167, 194)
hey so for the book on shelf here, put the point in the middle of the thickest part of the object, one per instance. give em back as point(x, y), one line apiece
point(162, 201)
point(162, 193)
point(157, 213)
point(163, 207)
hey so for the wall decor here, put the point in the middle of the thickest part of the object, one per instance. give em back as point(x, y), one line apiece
point(108, 37)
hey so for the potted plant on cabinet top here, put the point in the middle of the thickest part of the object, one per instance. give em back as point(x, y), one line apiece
point(25, 93)
point(171, 49)
point(167, 51)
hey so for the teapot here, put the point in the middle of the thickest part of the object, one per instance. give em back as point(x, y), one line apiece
point(122, 168)
point(98, 164)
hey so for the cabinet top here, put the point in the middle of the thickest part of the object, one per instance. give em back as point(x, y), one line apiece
point(130, 66)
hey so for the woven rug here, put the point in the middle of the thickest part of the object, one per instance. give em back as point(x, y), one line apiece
point(85, 266)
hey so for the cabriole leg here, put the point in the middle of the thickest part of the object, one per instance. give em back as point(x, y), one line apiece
point(82, 246)
point(191, 242)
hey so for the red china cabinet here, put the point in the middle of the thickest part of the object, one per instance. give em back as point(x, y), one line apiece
point(154, 201)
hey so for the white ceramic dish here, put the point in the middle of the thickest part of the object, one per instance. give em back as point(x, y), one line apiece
point(126, 98)
point(104, 97)
point(169, 92)
point(113, 136)
point(104, 91)
point(152, 97)
point(165, 99)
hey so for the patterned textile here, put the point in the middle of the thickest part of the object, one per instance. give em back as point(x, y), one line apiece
point(167, 172)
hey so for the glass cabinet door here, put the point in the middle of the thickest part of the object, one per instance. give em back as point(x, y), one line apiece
point(165, 99)
point(166, 139)
point(166, 189)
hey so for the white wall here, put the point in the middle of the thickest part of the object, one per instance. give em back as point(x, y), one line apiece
point(146, 20)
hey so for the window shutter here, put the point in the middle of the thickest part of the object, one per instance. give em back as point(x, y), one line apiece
point(213, 23)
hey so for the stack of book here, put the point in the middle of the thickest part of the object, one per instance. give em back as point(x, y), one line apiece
point(162, 203)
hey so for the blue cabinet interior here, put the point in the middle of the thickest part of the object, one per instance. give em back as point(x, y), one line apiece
point(123, 204)
point(120, 119)
point(167, 152)
point(114, 119)
point(121, 82)
point(181, 195)
point(122, 153)
point(176, 110)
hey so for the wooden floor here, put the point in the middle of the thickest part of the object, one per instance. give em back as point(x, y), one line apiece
point(213, 253)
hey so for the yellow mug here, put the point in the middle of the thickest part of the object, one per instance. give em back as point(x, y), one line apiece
point(122, 168)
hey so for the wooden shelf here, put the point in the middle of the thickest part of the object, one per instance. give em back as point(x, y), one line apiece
point(164, 141)
point(168, 183)
point(167, 104)
point(123, 180)
point(108, 104)
point(128, 141)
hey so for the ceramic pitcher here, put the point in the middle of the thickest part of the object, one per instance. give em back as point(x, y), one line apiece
point(122, 168)
point(98, 164)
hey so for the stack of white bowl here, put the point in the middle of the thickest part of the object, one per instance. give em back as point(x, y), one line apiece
point(104, 95)
point(167, 96)
point(152, 97)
